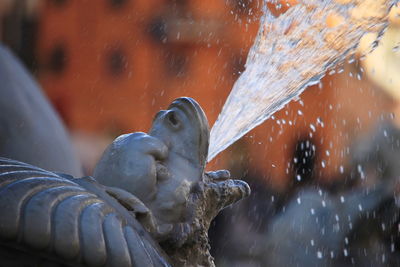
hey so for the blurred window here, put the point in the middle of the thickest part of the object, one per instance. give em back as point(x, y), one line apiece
point(116, 4)
point(116, 61)
point(58, 58)
point(304, 157)
point(177, 63)
point(59, 3)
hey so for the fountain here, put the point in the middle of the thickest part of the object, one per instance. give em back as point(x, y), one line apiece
point(150, 203)
point(290, 53)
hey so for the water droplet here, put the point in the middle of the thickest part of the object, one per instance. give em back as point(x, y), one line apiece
point(345, 253)
point(320, 122)
point(319, 254)
point(341, 169)
point(359, 168)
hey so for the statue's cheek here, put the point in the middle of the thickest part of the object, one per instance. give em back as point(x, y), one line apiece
point(139, 178)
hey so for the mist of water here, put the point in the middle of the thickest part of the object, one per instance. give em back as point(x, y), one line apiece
point(290, 53)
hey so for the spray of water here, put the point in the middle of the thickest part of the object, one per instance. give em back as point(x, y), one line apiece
point(290, 53)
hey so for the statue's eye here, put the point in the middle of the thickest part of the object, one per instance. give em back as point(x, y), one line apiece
point(173, 119)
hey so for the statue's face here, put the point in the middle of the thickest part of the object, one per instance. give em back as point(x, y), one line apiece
point(160, 168)
point(184, 129)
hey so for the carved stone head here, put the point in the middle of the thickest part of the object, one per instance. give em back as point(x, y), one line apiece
point(183, 127)
point(162, 167)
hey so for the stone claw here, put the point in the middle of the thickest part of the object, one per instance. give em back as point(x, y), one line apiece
point(219, 175)
point(225, 193)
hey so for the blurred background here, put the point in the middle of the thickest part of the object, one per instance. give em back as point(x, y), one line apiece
point(108, 66)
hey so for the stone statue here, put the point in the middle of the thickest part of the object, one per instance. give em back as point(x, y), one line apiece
point(30, 129)
point(149, 203)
